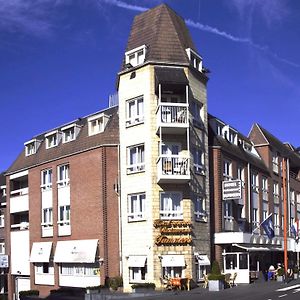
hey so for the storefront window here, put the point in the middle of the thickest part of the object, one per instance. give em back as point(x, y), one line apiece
point(243, 261)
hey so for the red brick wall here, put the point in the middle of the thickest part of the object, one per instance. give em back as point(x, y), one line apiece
point(94, 206)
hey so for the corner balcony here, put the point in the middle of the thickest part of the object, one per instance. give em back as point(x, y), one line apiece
point(172, 118)
point(173, 169)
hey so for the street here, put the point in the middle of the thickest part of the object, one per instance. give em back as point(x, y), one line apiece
point(258, 290)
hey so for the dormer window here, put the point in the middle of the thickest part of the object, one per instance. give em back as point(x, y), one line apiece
point(135, 56)
point(195, 59)
point(70, 133)
point(52, 139)
point(31, 147)
point(97, 123)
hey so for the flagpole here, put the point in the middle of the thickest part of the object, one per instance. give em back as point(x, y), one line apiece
point(285, 215)
point(261, 223)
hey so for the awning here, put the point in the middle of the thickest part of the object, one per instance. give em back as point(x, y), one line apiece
point(137, 261)
point(40, 252)
point(170, 76)
point(76, 251)
point(173, 261)
point(203, 260)
point(258, 247)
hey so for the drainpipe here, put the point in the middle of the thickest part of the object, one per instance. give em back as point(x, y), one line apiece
point(120, 213)
point(249, 194)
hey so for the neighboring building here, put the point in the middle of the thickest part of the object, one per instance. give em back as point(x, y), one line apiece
point(3, 253)
point(243, 194)
point(163, 152)
point(63, 208)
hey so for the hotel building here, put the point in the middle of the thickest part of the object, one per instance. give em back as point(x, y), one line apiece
point(163, 152)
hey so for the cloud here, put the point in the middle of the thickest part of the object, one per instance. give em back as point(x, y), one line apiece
point(30, 17)
point(125, 5)
point(270, 10)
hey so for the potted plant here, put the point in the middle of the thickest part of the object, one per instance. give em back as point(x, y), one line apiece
point(296, 272)
point(115, 283)
point(215, 278)
point(24, 295)
point(143, 287)
point(280, 274)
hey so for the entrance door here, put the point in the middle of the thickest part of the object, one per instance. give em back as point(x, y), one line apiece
point(22, 284)
point(237, 262)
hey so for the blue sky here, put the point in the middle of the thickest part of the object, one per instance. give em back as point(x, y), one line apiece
point(59, 60)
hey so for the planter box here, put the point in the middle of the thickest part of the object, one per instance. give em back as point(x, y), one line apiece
point(215, 285)
point(142, 290)
point(280, 278)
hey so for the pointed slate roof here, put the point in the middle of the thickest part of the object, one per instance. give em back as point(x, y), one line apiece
point(164, 33)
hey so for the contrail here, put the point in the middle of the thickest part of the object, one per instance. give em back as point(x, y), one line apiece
point(210, 29)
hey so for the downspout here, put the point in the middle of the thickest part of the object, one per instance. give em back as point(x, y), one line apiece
point(249, 193)
point(120, 213)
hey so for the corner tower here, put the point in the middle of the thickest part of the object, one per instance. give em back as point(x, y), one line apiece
point(163, 152)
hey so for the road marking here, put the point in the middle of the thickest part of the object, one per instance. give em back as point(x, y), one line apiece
point(288, 288)
point(296, 291)
point(282, 295)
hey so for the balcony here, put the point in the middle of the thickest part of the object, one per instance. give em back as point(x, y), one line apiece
point(240, 225)
point(173, 169)
point(19, 200)
point(172, 118)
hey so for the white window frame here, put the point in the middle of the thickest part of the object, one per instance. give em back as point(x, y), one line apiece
point(136, 207)
point(195, 59)
point(41, 267)
point(254, 182)
point(70, 133)
point(255, 217)
point(169, 209)
point(136, 274)
point(276, 191)
point(63, 175)
point(136, 56)
point(46, 179)
point(198, 155)
point(31, 147)
point(172, 272)
point(275, 162)
point(64, 215)
point(2, 219)
point(292, 196)
point(265, 188)
point(139, 164)
point(52, 139)
point(135, 111)
point(228, 211)
point(200, 209)
point(227, 169)
point(2, 248)
point(97, 123)
point(47, 216)
point(80, 269)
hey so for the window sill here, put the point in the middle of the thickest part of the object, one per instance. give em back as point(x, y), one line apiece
point(135, 172)
point(134, 123)
point(136, 220)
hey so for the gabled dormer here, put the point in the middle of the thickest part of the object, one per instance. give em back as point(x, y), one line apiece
point(135, 56)
point(70, 132)
point(195, 59)
point(31, 147)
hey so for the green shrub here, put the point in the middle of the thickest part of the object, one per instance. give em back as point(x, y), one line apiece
point(215, 269)
point(216, 277)
point(115, 282)
point(280, 272)
point(144, 285)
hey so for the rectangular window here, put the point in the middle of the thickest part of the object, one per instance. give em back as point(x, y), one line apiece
point(292, 197)
point(52, 139)
point(47, 216)
point(69, 133)
point(254, 183)
point(200, 209)
point(255, 217)
point(136, 207)
point(46, 179)
point(136, 159)
point(2, 224)
point(64, 215)
point(2, 248)
point(31, 147)
point(228, 216)
point(265, 188)
point(198, 160)
point(83, 269)
point(135, 111)
point(44, 268)
point(171, 205)
point(137, 274)
point(135, 56)
point(275, 162)
point(276, 192)
point(227, 169)
point(196, 111)
point(63, 175)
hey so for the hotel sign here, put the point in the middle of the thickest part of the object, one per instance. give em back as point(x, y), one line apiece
point(232, 189)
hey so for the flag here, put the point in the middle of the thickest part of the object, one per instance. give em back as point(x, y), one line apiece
point(268, 226)
point(295, 229)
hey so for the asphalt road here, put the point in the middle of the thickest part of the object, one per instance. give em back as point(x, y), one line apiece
point(259, 290)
